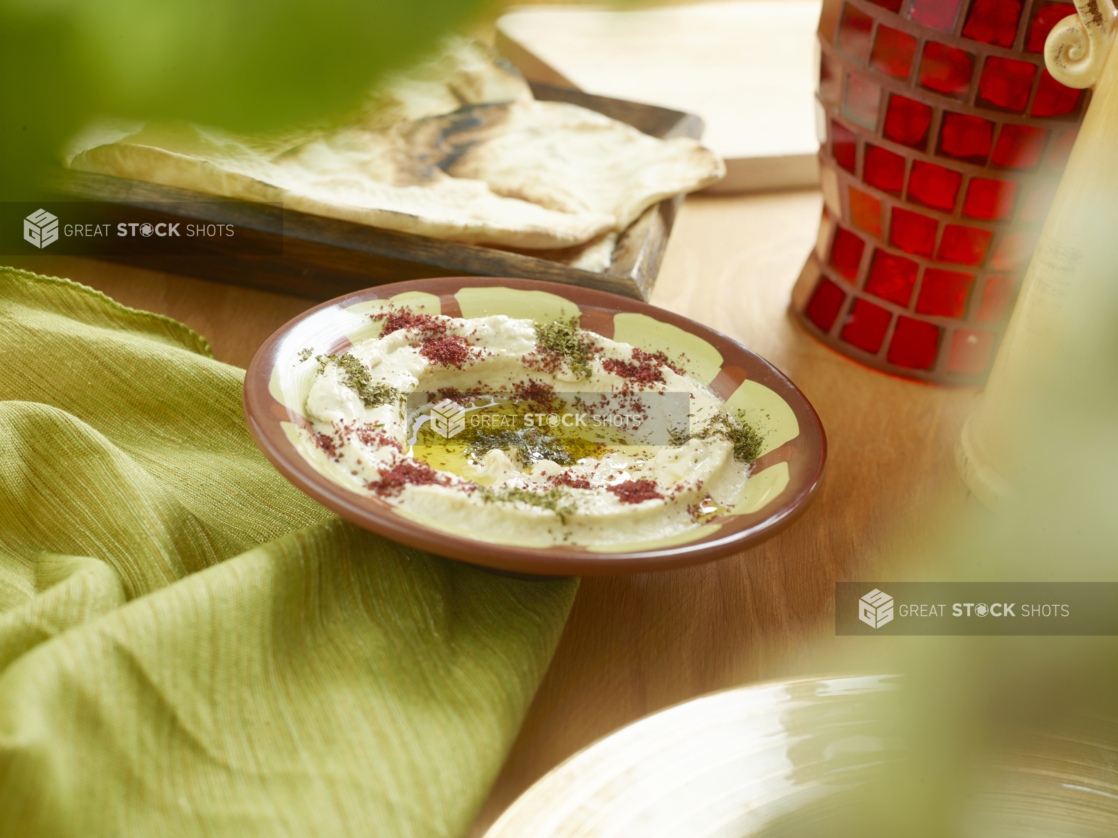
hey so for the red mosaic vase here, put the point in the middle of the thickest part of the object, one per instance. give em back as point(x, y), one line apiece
point(942, 139)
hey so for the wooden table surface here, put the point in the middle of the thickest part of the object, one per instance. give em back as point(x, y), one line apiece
point(637, 644)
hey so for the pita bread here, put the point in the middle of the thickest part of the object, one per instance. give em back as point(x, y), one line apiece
point(457, 149)
point(575, 160)
point(338, 178)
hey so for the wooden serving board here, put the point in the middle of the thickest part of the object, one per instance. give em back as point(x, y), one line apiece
point(746, 68)
point(324, 258)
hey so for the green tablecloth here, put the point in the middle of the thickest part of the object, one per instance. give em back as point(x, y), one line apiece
point(189, 645)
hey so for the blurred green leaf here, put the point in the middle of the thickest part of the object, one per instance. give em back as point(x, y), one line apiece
point(240, 64)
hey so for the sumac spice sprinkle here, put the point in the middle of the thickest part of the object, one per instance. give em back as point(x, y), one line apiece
point(534, 391)
point(406, 473)
point(564, 478)
point(662, 359)
point(635, 491)
point(446, 351)
point(375, 437)
point(456, 395)
point(328, 445)
point(643, 369)
point(405, 318)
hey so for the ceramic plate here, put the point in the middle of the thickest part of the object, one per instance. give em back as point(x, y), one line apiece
point(784, 477)
point(793, 758)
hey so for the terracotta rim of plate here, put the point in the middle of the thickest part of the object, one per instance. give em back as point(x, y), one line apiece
point(805, 454)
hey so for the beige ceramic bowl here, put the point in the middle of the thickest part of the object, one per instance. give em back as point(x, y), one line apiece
point(792, 759)
point(784, 479)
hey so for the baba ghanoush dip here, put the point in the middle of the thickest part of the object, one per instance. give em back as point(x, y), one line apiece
point(509, 431)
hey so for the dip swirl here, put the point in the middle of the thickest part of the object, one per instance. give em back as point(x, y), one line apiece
point(522, 477)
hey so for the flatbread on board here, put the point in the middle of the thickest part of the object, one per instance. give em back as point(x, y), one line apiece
point(457, 149)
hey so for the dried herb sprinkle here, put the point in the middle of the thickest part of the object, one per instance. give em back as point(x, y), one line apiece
point(567, 341)
point(746, 439)
point(355, 375)
point(552, 500)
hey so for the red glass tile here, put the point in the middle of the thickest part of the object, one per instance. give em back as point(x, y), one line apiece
point(913, 232)
point(1044, 22)
point(842, 145)
point(892, 52)
point(989, 198)
point(865, 211)
point(830, 80)
point(907, 121)
point(863, 98)
point(1006, 83)
point(946, 69)
point(933, 185)
point(854, 33)
point(997, 296)
point(963, 245)
point(1052, 98)
point(993, 21)
point(944, 293)
point(846, 253)
point(1013, 251)
point(892, 5)
point(891, 277)
point(966, 137)
point(883, 169)
point(1061, 149)
point(1019, 146)
point(866, 325)
point(914, 344)
point(971, 351)
point(825, 304)
point(938, 14)
point(1035, 205)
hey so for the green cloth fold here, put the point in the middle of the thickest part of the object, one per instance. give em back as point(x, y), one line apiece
point(191, 646)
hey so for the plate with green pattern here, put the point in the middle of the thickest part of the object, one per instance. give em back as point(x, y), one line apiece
point(786, 470)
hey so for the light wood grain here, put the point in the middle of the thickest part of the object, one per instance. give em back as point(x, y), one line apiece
point(745, 67)
point(638, 644)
